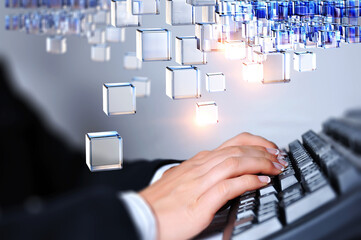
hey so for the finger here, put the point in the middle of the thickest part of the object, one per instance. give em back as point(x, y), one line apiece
point(234, 167)
point(249, 139)
point(217, 196)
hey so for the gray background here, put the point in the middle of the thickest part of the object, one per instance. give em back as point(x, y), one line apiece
point(67, 90)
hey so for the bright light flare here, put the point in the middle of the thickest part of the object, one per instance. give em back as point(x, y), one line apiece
point(206, 113)
point(253, 72)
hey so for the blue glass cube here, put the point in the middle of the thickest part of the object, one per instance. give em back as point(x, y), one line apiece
point(182, 82)
point(143, 7)
point(187, 53)
point(178, 12)
point(304, 61)
point(119, 98)
point(119, 15)
point(153, 44)
point(215, 82)
point(142, 86)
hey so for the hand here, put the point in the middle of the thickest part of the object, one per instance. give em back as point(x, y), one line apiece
point(187, 197)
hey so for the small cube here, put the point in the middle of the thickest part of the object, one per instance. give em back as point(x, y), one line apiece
point(100, 53)
point(187, 52)
point(153, 44)
point(178, 12)
point(120, 17)
point(104, 151)
point(202, 2)
point(119, 98)
point(182, 82)
point(207, 36)
point(253, 72)
point(115, 35)
point(235, 50)
point(97, 36)
point(56, 45)
point(276, 68)
point(101, 17)
point(304, 61)
point(142, 86)
point(143, 7)
point(215, 82)
point(131, 62)
point(207, 113)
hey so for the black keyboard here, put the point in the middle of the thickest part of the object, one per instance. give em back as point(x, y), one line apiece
point(318, 196)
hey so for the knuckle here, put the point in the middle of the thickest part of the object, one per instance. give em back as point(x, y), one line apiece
point(223, 188)
point(232, 163)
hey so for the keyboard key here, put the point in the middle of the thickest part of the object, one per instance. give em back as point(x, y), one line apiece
point(260, 230)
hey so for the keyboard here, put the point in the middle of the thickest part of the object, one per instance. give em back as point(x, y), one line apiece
point(318, 196)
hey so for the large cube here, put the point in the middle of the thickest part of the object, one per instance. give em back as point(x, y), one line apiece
point(104, 151)
point(100, 53)
point(304, 61)
point(153, 44)
point(276, 68)
point(115, 35)
point(207, 113)
point(235, 50)
point(131, 62)
point(119, 98)
point(143, 7)
point(215, 82)
point(178, 12)
point(187, 52)
point(182, 82)
point(56, 45)
point(120, 17)
point(253, 72)
point(202, 2)
point(142, 86)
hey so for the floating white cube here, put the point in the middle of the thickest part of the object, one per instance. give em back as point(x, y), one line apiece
point(206, 113)
point(252, 72)
point(202, 2)
point(235, 50)
point(153, 44)
point(56, 45)
point(97, 36)
point(187, 53)
point(104, 151)
point(120, 17)
point(182, 82)
point(119, 98)
point(142, 86)
point(115, 35)
point(215, 82)
point(276, 68)
point(143, 7)
point(100, 53)
point(304, 61)
point(131, 62)
point(178, 12)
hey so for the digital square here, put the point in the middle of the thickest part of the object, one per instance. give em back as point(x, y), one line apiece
point(100, 53)
point(276, 68)
point(142, 86)
point(119, 15)
point(304, 61)
point(114, 34)
point(182, 82)
point(235, 50)
point(56, 45)
point(178, 12)
point(104, 151)
point(119, 98)
point(252, 72)
point(153, 44)
point(206, 113)
point(215, 82)
point(143, 7)
point(187, 53)
point(131, 62)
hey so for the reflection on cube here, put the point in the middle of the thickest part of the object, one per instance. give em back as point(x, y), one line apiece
point(142, 86)
point(202, 2)
point(178, 12)
point(187, 52)
point(119, 98)
point(97, 36)
point(182, 82)
point(120, 17)
point(215, 82)
point(131, 62)
point(235, 50)
point(143, 7)
point(253, 72)
point(104, 151)
point(153, 44)
point(207, 113)
point(115, 35)
point(276, 68)
point(100, 53)
point(56, 45)
point(304, 61)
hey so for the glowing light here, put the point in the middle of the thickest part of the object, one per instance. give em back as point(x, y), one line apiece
point(235, 50)
point(207, 113)
point(253, 72)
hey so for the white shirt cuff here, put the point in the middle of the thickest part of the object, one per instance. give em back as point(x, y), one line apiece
point(159, 173)
point(141, 215)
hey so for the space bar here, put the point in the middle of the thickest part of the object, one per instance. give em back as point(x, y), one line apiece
point(260, 230)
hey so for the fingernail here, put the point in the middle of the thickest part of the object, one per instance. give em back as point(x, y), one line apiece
point(273, 151)
point(282, 161)
point(278, 166)
point(264, 179)
point(283, 153)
